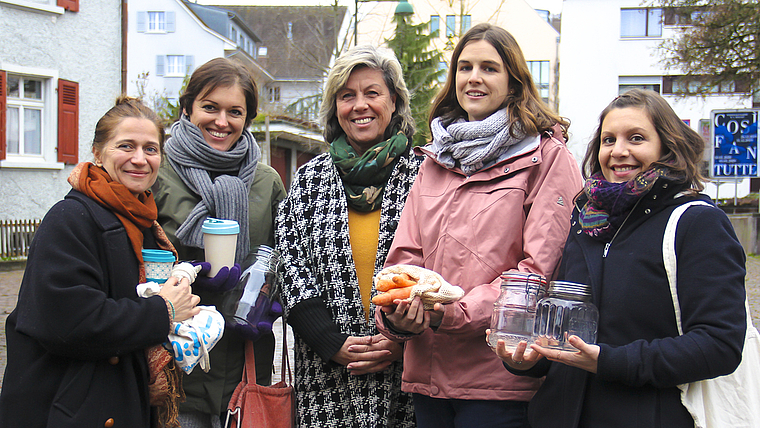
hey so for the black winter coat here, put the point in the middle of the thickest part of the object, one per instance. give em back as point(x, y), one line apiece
point(642, 359)
point(77, 337)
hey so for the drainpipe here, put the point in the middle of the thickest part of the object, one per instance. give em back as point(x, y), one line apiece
point(124, 23)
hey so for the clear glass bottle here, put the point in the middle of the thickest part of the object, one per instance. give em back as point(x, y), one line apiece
point(566, 311)
point(246, 305)
point(514, 309)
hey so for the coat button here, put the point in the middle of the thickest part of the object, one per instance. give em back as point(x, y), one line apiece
point(506, 170)
point(434, 390)
point(535, 159)
point(113, 361)
point(109, 423)
point(578, 232)
point(665, 185)
point(647, 211)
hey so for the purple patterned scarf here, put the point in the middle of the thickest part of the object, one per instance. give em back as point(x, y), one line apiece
point(609, 203)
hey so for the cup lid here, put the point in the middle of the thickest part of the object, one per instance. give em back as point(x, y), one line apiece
point(215, 226)
point(160, 256)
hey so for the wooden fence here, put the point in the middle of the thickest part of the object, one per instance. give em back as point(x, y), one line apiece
point(16, 237)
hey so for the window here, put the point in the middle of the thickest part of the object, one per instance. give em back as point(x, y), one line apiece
point(274, 94)
point(233, 34)
point(39, 118)
point(640, 22)
point(697, 85)
point(262, 51)
point(450, 25)
point(155, 22)
point(444, 68)
point(626, 83)
point(466, 23)
point(435, 25)
point(24, 116)
point(174, 65)
point(540, 72)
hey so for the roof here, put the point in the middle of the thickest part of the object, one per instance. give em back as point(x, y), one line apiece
point(218, 18)
point(300, 40)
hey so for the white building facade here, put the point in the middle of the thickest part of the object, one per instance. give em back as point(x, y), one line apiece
point(610, 46)
point(60, 66)
point(166, 42)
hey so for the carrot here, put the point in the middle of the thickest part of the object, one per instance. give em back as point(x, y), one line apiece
point(385, 285)
point(404, 280)
point(387, 298)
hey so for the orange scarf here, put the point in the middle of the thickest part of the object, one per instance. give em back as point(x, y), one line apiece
point(137, 213)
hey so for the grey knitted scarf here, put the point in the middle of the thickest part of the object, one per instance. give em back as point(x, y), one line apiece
point(226, 197)
point(473, 144)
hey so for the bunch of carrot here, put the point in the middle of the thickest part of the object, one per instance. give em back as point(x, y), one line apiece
point(399, 286)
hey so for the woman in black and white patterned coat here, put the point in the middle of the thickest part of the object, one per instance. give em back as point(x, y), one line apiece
point(334, 230)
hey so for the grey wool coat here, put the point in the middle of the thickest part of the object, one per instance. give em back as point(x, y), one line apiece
point(322, 302)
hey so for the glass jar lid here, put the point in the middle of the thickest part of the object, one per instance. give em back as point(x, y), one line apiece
point(570, 290)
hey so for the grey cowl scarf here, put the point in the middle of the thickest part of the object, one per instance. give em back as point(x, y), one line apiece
point(226, 197)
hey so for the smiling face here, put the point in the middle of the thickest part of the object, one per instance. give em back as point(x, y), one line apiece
point(220, 114)
point(133, 155)
point(364, 107)
point(629, 144)
point(482, 81)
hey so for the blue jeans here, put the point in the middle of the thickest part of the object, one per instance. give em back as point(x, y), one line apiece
point(449, 413)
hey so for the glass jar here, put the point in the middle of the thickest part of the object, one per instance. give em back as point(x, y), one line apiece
point(514, 309)
point(566, 311)
point(247, 306)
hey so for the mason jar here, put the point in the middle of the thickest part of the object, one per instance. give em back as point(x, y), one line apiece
point(566, 311)
point(515, 308)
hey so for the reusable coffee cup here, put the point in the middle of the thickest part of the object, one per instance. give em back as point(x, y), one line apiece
point(220, 242)
point(158, 265)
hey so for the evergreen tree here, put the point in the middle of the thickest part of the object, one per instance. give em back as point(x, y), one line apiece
point(719, 43)
point(420, 67)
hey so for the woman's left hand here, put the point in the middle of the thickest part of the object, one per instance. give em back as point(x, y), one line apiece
point(367, 359)
point(586, 357)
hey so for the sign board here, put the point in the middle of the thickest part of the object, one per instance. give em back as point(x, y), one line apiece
point(734, 137)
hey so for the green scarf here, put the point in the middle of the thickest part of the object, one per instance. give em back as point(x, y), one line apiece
point(364, 176)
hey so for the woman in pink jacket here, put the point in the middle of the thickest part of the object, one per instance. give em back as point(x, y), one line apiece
point(494, 194)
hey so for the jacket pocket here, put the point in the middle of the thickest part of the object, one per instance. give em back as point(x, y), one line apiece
point(74, 389)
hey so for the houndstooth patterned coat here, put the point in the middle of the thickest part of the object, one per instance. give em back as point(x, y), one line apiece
point(312, 234)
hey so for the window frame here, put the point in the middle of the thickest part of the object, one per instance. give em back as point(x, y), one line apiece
point(435, 32)
point(49, 140)
point(451, 30)
point(647, 25)
point(160, 22)
point(544, 68)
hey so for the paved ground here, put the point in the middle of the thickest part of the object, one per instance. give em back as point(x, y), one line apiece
point(10, 280)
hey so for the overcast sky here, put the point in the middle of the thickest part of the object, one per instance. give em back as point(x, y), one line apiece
point(554, 6)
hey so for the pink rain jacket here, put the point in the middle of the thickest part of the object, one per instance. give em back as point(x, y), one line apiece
point(514, 215)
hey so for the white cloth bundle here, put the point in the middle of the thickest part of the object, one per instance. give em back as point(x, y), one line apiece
point(192, 339)
point(431, 287)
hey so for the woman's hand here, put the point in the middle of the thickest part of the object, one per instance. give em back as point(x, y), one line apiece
point(522, 358)
point(586, 358)
point(367, 354)
point(407, 317)
point(181, 297)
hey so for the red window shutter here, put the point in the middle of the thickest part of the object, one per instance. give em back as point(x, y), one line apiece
point(68, 121)
point(72, 5)
point(3, 89)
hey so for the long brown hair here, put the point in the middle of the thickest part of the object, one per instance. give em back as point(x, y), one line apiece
point(682, 147)
point(523, 104)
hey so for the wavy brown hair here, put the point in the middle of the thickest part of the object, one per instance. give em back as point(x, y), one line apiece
point(682, 146)
point(523, 103)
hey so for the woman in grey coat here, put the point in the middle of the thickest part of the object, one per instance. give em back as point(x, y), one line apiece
point(334, 230)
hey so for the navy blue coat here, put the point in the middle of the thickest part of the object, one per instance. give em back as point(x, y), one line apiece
point(642, 359)
point(77, 337)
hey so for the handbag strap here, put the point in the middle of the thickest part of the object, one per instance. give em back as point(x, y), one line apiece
point(249, 371)
point(669, 255)
point(285, 360)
